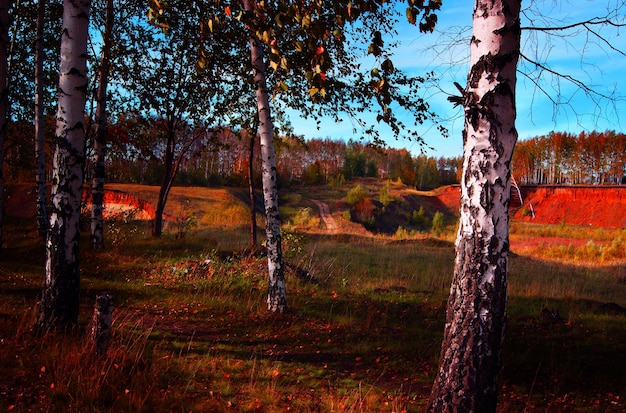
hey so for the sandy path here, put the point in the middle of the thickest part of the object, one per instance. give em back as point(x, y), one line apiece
point(325, 215)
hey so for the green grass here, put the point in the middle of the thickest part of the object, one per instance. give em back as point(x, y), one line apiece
point(362, 333)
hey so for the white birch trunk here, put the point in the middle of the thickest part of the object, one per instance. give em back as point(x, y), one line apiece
point(472, 344)
point(277, 295)
point(59, 304)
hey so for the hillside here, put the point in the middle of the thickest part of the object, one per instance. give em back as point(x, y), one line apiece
point(597, 206)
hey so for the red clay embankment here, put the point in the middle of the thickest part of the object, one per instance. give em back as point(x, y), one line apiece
point(20, 203)
point(598, 206)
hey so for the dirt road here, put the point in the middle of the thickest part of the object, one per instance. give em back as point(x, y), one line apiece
point(325, 215)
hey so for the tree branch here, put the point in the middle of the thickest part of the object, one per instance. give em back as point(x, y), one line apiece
point(585, 24)
point(588, 26)
point(578, 83)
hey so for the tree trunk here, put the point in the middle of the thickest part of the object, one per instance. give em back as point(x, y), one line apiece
point(277, 295)
point(166, 184)
point(59, 305)
point(40, 161)
point(472, 344)
point(101, 322)
point(253, 237)
point(4, 99)
point(99, 144)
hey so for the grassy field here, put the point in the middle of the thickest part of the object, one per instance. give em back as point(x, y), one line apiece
point(363, 330)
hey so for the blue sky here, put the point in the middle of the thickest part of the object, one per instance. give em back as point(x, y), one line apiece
point(446, 52)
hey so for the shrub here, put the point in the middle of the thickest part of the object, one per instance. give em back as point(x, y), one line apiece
point(525, 211)
point(293, 244)
point(346, 215)
point(336, 182)
point(419, 218)
point(304, 218)
point(401, 233)
point(356, 194)
point(437, 227)
point(384, 196)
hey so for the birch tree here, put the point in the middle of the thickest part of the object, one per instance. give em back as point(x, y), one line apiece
point(277, 294)
point(58, 309)
point(33, 76)
point(470, 356)
point(472, 345)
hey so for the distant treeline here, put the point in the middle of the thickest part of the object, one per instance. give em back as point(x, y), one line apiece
point(223, 159)
point(561, 158)
point(218, 157)
point(215, 157)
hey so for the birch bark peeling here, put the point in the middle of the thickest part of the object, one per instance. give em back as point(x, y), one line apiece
point(474, 330)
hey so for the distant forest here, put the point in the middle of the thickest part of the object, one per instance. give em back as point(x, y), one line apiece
point(216, 157)
point(564, 159)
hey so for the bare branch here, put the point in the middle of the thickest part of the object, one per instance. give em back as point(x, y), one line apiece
point(589, 90)
point(605, 41)
point(585, 24)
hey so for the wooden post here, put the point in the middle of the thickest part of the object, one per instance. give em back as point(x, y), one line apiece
point(101, 323)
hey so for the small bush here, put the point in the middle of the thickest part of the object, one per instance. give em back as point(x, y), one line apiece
point(293, 244)
point(384, 196)
point(336, 182)
point(304, 218)
point(525, 211)
point(419, 218)
point(356, 194)
point(402, 233)
point(437, 227)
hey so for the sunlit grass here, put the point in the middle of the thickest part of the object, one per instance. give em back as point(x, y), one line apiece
point(565, 231)
point(569, 244)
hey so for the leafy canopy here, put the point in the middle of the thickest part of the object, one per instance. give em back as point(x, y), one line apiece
point(326, 57)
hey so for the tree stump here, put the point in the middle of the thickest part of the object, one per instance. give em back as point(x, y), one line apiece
point(101, 323)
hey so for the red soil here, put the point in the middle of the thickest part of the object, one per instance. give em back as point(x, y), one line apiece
point(598, 206)
point(20, 203)
point(450, 196)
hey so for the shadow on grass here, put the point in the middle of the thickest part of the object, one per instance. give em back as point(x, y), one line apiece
point(375, 321)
